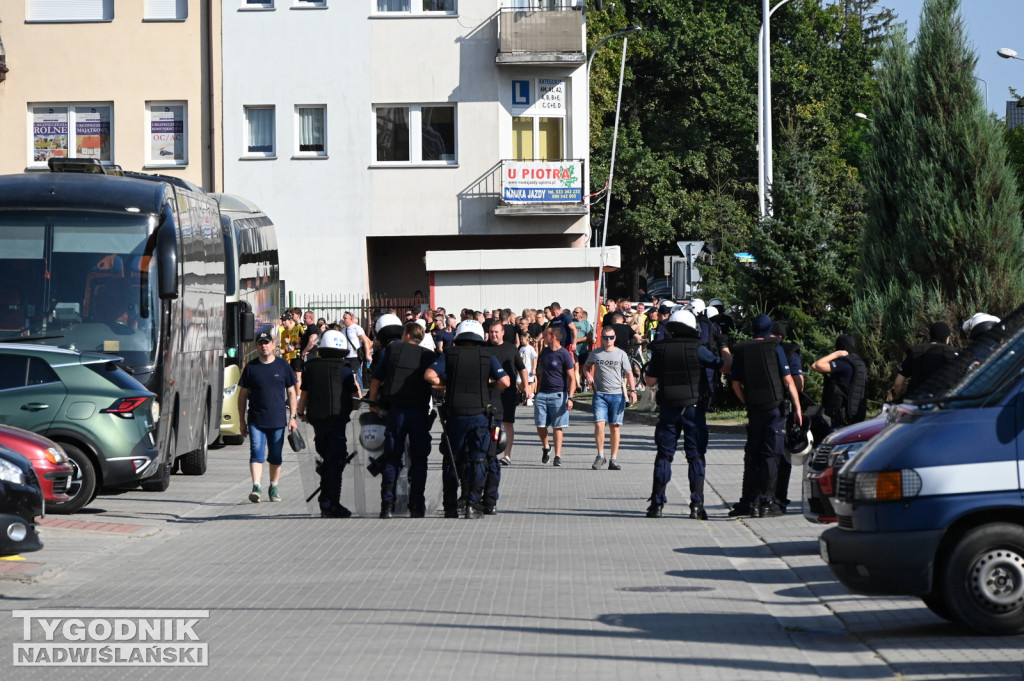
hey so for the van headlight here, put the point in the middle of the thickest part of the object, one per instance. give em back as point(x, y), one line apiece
point(154, 411)
point(11, 473)
point(886, 485)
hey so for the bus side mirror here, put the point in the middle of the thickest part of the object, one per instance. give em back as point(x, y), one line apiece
point(246, 323)
point(167, 261)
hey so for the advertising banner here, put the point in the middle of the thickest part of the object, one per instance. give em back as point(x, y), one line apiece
point(49, 134)
point(542, 182)
point(92, 132)
point(167, 133)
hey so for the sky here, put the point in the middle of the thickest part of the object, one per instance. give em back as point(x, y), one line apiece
point(991, 24)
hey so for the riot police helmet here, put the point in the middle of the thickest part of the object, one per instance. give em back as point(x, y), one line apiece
point(979, 323)
point(332, 340)
point(698, 306)
point(681, 323)
point(469, 330)
point(371, 431)
point(387, 328)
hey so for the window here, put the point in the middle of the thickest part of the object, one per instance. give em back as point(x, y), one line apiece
point(259, 131)
point(304, 4)
point(257, 4)
point(71, 131)
point(167, 133)
point(166, 10)
point(19, 372)
point(416, 134)
point(537, 138)
point(69, 10)
point(415, 6)
point(311, 130)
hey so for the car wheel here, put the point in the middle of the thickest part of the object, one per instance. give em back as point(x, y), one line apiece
point(82, 485)
point(233, 440)
point(194, 463)
point(937, 604)
point(983, 581)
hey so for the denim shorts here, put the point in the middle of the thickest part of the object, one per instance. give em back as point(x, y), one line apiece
point(549, 410)
point(609, 407)
point(266, 445)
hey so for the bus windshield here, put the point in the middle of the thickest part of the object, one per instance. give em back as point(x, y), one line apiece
point(86, 280)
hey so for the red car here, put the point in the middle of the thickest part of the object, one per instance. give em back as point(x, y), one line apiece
point(50, 463)
point(822, 468)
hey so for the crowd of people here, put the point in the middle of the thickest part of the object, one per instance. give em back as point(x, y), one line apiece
point(476, 367)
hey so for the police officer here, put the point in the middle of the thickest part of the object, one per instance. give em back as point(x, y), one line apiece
point(504, 403)
point(665, 309)
point(397, 387)
point(844, 397)
point(328, 397)
point(924, 359)
point(760, 379)
point(796, 370)
point(468, 371)
point(678, 365)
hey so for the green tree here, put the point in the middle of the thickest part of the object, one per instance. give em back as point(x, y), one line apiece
point(944, 238)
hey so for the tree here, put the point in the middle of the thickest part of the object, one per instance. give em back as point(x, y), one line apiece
point(943, 239)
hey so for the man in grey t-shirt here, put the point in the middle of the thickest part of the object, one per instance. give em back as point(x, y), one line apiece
point(605, 369)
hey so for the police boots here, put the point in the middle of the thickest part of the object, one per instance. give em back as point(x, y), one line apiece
point(387, 510)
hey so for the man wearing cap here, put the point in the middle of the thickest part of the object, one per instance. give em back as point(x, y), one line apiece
point(760, 379)
point(924, 360)
point(267, 389)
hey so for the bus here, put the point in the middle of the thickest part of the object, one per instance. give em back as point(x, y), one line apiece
point(253, 294)
point(81, 249)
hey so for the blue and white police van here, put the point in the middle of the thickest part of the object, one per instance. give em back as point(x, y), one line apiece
point(933, 506)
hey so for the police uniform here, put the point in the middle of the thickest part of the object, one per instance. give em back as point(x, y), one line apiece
point(760, 366)
point(844, 397)
point(504, 403)
point(405, 399)
point(329, 386)
point(466, 371)
point(923, 361)
point(679, 365)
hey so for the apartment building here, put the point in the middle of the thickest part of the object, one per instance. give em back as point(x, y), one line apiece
point(133, 85)
point(404, 145)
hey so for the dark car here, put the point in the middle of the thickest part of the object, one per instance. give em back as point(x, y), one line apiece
point(103, 418)
point(821, 470)
point(51, 464)
point(21, 501)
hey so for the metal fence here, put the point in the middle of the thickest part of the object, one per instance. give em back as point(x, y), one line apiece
point(365, 308)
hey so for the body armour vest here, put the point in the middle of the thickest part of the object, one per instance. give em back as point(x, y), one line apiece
point(404, 387)
point(846, 403)
point(762, 383)
point(324, 383)
point(467, 369)
point(926, 359)
point(680, 382)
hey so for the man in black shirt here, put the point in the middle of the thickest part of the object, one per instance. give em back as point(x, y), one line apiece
point(504, 402)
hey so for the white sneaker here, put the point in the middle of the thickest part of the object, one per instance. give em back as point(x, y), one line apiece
point(529, 402)
point(598, 462)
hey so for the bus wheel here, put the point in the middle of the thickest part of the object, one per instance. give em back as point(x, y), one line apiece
point(194, 463)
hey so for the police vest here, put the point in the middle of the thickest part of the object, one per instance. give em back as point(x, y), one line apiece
point(762, 381)
point(324, 381)
point(680, 382)
point(468, 371)
point(926, 359)
point(846, 403)
point(404, 386)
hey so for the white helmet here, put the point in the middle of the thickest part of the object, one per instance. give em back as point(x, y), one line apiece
point(698, 305)
point(371, 431)
point(684, 317)
point(469, 329)
point(386, 320)
point(332, 340)
point(712, 312)
point(979, 324)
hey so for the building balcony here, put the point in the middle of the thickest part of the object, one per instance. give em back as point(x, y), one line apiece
point(541, 37)
point(531, 188)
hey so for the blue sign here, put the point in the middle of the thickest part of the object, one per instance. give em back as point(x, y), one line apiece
point(744, 257)
point(521, 93)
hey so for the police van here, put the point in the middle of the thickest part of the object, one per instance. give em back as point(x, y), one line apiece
point(933, 505)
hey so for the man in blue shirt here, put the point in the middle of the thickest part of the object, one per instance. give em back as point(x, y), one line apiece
point(556, 385)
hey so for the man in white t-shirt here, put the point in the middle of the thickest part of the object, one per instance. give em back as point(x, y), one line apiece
point(605, 369)
point(354, 337)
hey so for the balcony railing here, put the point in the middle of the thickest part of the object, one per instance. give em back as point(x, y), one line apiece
point(541, 188)
point(540, 36)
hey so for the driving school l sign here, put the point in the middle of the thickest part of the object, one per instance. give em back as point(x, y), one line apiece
point(542, 182)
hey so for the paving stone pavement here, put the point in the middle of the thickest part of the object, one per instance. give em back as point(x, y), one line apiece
point(569, 581)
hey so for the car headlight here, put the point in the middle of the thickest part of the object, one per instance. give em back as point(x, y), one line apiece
point(154, 411)
point(11, 473)
point(843, 453)
point(56, 455)
point(229, 391)
point(886, 485)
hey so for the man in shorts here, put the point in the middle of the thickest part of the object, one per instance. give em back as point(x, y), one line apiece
point(556, 385)
point(605, 369)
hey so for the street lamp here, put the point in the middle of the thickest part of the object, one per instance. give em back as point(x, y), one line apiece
point(1007, 53)
point(765, 174)
point(862, 116)
point(625, 33)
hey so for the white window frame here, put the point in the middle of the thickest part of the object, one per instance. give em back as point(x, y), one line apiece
point(246, 154)
point(256, 6)
point(297, 132)
point(72, 119)
point(309, 4)
point(68, 11)
point(165, 10)
point(416, 135)
point(415, 10)
point(148, 142)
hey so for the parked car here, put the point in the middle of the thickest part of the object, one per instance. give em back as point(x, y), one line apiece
point(934, 505)
point(21, 502)
point(822, 467)
point(103, 418)
point(51, 464)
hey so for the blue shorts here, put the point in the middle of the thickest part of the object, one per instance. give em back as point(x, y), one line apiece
point(266, 445)
point(609, 407)
point(550, 410)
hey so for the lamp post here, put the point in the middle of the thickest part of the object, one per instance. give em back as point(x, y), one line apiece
point(1007, 53)
point(625, 33)
point(765, 173)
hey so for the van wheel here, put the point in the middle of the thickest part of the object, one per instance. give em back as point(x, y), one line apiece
point(81, 487)
point(194, 463)
point(937, 605)
point(983, 581)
